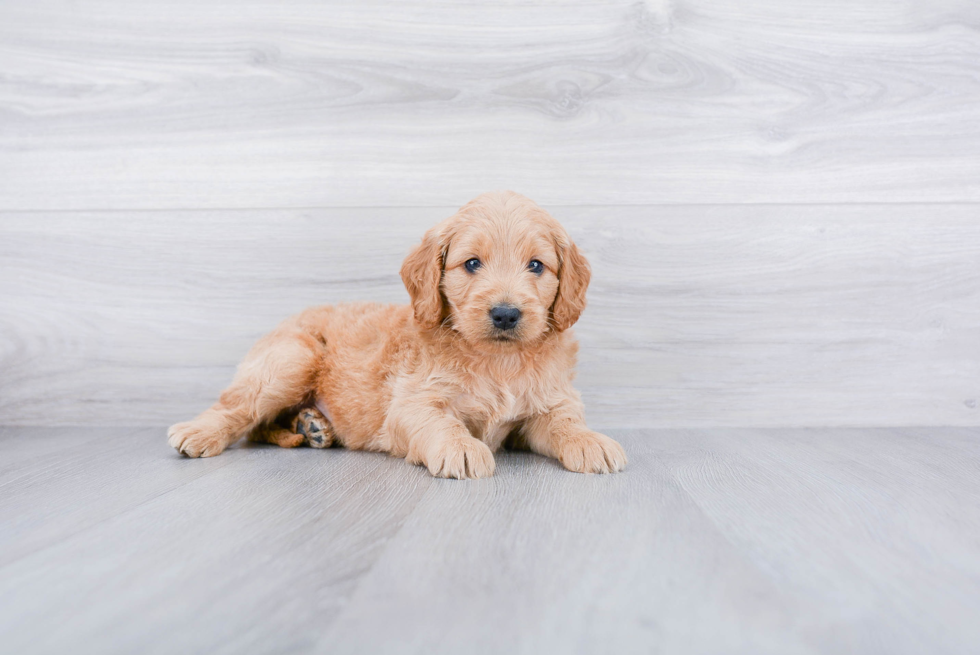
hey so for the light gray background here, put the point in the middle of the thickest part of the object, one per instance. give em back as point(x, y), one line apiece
point(778, 198)
point(781, 203)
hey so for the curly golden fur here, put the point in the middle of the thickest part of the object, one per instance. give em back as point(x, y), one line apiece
point(439, 382)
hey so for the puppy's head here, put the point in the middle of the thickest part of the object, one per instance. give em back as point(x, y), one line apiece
point(502, 272)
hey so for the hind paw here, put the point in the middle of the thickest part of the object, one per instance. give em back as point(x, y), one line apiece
point(313, 427)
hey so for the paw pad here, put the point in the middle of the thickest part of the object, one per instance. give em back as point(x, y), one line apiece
point(313, 427)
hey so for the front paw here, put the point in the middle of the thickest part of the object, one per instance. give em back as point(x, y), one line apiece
point(460, 458)
point(591, 452)
point(196, 440)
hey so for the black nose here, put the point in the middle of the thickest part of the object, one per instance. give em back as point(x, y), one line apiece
point(505, 317)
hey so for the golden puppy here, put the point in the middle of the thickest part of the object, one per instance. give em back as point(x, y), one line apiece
point(482, 356)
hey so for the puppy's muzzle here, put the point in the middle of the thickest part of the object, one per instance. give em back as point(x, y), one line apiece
point(505, 317)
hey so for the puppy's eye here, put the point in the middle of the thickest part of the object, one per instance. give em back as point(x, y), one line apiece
point(472, 265)
point(536, 267)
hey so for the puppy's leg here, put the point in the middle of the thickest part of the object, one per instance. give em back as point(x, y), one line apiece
point(279, 372)
point(276, 435)
point(562, 434)
point(428, 435)
point(308, 426)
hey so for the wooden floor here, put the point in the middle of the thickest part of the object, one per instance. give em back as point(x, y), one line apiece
point(713, 541)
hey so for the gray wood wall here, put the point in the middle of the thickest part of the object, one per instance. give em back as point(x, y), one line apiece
point(780, 200)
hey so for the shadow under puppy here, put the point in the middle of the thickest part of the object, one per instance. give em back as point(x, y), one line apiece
point(483, 356)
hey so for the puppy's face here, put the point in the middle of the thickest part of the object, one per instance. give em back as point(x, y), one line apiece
point(500, 279)
point(501, 272)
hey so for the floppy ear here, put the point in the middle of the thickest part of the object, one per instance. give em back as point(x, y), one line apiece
point(574, 274)
point(422, 272)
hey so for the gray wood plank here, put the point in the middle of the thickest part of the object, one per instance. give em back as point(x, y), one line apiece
point(114, 104)
point(875, 524)
point(730, 541)
point(703, 315)
point(721, 540)
point(20, 444)
point(250, 555)
point(70, 484)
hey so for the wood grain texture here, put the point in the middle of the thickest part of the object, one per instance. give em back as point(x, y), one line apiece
point(781, 203)
point(261, 590)
point(726, 540)
point(228, 104)
point(698, 316)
